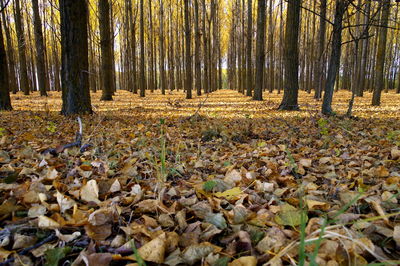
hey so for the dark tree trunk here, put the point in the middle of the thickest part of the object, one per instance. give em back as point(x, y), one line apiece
point(142, 63)
point(260, 50)
point(5, 102)
point(291, 57)
point(40, 49)
point(10, 50)
point(249, 48)
point(23, 71)
point(380, 57)
point(320, 69)
point(188, 57)
point(197, 47)
point(74, 57)
point(362, 82)
point(334, 61)
point(106, 50)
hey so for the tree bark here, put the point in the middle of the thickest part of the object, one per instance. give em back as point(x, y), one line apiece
point(74, 57)
point(40, 49)
point(142, 63)
point(106, 50)
point(291, 57)
point(197, 47)
point(188, 57)
point(249, 78)
point(10, 53)
point(19, 27)
point(5, 102)
point(334, 61)
point(162, 50)
point(381, 54)
point(260, 50)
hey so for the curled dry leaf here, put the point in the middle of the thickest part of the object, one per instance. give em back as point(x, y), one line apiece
point(154, 250)
point(47, 223)
point(90, 192)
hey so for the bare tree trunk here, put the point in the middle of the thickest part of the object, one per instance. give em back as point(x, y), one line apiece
point(188, 57)
point(205, 49)
point(380, 58)
point(320, 69)
point(260, 50)
point(74, 57)
point(142, 62)
point(23, 71)
point(40, 49)
point(334, 62)
point(5, 102)
point(291, 57)
point(162, 50)
point(10, 53)
point(106, 52)
point(249, 48)
point(271, 75)
point(197, 47)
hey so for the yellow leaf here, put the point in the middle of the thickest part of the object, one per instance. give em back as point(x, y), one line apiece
point(230, 193)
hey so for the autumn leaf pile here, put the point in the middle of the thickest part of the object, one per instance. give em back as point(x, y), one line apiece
point(218, 180)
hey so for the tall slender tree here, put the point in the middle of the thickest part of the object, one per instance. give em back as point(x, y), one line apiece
point(5, 102)
point(197, 47)
point(188, 56)
point(249, 67)
point(23, 69)
point(74, 57)
point(163, 80)
point(291, 57)
point(142, 48)
point(260, 50)
point(319, 73)
point(40, 49)
point(380, 58)
point(106, 50)
point(334, 61)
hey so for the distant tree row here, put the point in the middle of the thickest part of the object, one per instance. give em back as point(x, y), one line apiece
point(198, 46)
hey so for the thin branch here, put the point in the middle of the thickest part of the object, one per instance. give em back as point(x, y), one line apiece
point(4, 5)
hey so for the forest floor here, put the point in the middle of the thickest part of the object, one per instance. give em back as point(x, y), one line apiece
point(214, 180)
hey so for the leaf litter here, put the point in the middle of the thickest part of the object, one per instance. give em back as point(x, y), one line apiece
point(237, 184)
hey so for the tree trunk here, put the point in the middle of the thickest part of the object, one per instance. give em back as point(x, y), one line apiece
point(380, 58)
point(249, 78)
point(10, 53)
point(5, 102)
point(40, 49)
point(291, 57)
point(260, 50)
point(106, 50)
point(142, 63)
point(197, 47)
point(23, 69)
point(162, 50)
point(188, 57)
point(334, 61)
point(362, 82)
point(74, 57)
point(271, 65)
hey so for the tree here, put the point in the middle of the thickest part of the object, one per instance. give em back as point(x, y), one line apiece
point(291, 57)
point(106, 50)
point(334, 61)
point(162, 50)
point(380, 58)
point(142, 63)
point(40, 49)
point(188, 56)
point(197, 47)
point(5, 102)
point(319, 73)
point(249, 47)
point(74, 57)
point(260, 50)
point(23, 70)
